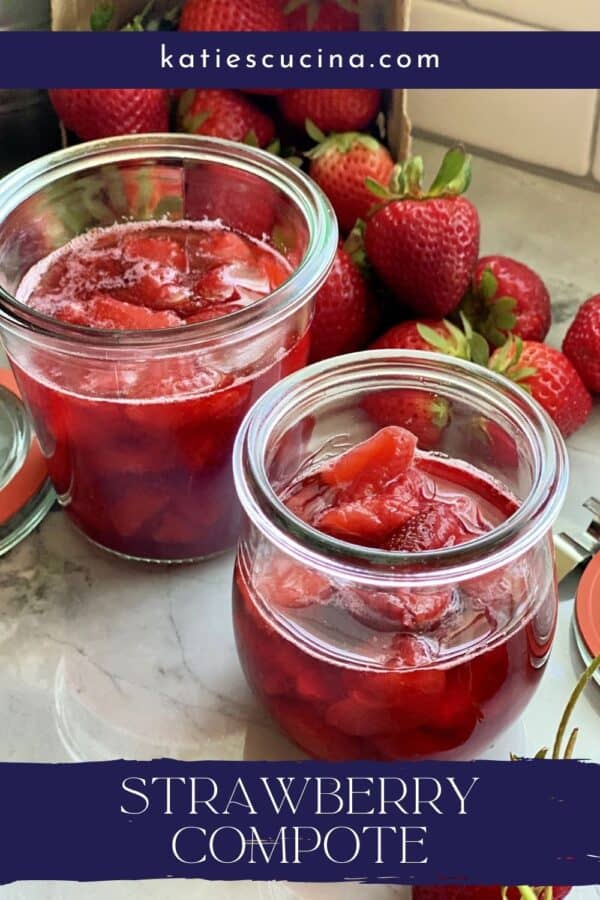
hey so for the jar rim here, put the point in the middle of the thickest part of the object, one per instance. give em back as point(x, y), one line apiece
point(530, 522)
point(304, 281)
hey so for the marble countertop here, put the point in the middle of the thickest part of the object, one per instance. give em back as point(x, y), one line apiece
point(100, 658)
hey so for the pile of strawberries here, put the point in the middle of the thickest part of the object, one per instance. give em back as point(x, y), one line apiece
point(409, 274)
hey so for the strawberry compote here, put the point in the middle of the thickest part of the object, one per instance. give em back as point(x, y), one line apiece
point(139, 448)
point(390, 667)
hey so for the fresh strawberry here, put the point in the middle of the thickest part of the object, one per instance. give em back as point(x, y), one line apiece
point(323, 15)
point(506, 296)
point(99, 113)
point(340, 164)
point(582, 343)
point(549, 377)
point(495, 892)
point(491, 443)
point(224, 114)
point(424, 413)
point(244, 15)
point(489, 892)
point(424, 246)
point(345, 311)
point(435, 336)
point(331, 109)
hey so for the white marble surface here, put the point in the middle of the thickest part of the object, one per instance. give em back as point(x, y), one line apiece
point(100, 658)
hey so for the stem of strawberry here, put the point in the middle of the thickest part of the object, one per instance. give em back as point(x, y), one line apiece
point(589, 673)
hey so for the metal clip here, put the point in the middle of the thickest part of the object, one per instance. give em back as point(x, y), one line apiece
point(574, 549)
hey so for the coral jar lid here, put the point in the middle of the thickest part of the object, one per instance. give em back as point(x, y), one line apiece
point(587, 613)
point(25, 491)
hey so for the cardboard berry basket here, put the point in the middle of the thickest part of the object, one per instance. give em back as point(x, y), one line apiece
point(381, 15)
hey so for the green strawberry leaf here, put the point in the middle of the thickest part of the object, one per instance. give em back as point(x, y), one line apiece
point(312, 14)
point(488, 284)
point(440, 412)
point(454, 176)
point(480, 351)
point(250, 138)
point(314, 132)
point(138, 22)
point(503, 304)
point(527, 893)
point(169, 207)
point(495, 337)
point(185, 101)
point(413, 175)
point(504, 320)
point(274, 147)
point(377, 189)
point(435, 340)
point(102, 16)
point(192, 124)
point(398, 180)
point(292, 6)
point(523, 374)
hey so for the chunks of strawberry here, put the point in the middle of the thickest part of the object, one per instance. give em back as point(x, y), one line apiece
point(162, 250)
point(403, 608)
point(439, 525)
point(285, 583)
point(373, 464)
point(314, 735)
point(104, 311)
point(371, 518)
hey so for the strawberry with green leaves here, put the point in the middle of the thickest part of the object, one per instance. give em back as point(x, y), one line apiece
point(331, 109)
point(435, 336)
point(425, 413)
point(225, 114)
point(506, 296)
point(340, 164)
point(549, 377)
point(520, 892)
point(323, 15)
point(424, 244)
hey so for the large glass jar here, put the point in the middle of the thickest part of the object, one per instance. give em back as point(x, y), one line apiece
point(359, 652)
point(137, 439)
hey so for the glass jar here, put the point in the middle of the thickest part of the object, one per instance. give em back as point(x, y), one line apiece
point(338, 640)
point(137, 442)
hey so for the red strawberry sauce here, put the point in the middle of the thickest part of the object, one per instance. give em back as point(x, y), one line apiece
point(140, 454)
point(354, 671)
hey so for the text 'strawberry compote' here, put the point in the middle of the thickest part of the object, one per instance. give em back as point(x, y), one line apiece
point(148, 471)
point(151, 289)
point(386, 609)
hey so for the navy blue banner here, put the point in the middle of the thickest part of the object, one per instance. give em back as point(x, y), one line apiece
point(530, 822)
point(507, 59)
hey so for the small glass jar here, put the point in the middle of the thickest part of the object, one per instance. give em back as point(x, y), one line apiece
point(323, 669)
point(138, 445)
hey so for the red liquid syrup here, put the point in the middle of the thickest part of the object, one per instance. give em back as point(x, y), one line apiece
point(140, 451)
point(361, 672)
